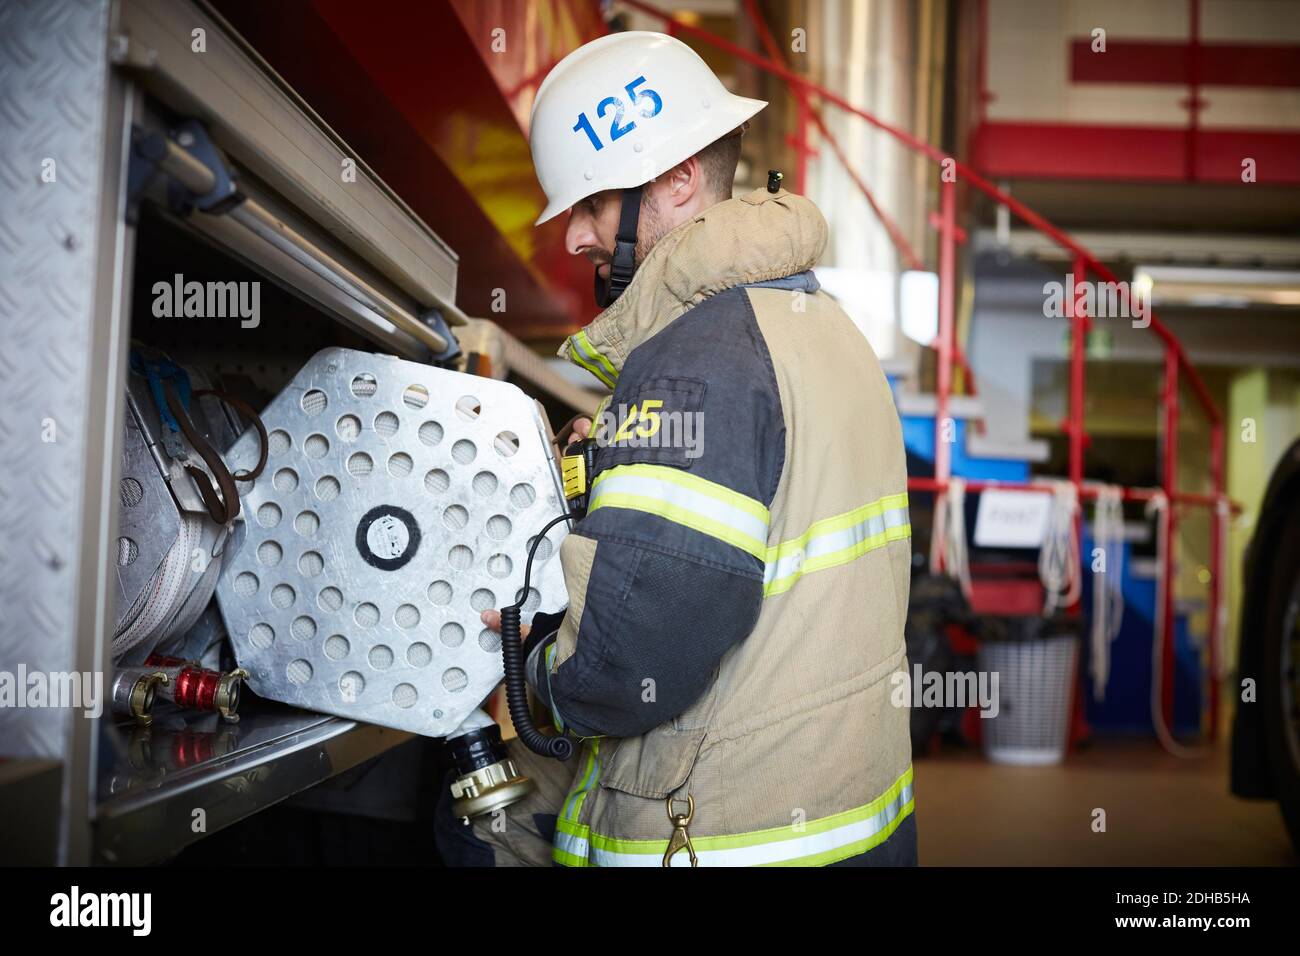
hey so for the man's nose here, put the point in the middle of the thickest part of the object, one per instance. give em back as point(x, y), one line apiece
point(578, 235)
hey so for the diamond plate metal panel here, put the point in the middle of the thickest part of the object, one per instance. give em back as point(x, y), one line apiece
point(397, 503)
point(54, 125)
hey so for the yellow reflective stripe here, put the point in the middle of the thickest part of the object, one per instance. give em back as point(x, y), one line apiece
point(694, 483)
point(685, 517)
point(739, 520)
point(685, 499)
point(587, 780)
point(838, 523)
point(571, 843)
point(837, 540)
point(585, 354)
point(814, 843)
point(569, 834)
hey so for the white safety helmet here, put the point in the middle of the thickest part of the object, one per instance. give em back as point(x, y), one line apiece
point(621, 110)
point(617, 112)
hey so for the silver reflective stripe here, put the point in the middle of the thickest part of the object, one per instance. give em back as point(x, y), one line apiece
point(783, 567)
point(587, 356)
point(685, 499)
point(847, 543)
point(674, 494)
point(569, 843)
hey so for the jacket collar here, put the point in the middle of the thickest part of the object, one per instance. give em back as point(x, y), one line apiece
point(753, 238)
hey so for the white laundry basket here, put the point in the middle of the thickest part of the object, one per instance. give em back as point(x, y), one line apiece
point(1035, 683)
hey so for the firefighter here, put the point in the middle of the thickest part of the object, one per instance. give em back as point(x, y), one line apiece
point(738, 585)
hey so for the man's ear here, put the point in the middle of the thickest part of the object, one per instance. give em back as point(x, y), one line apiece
point(683, 181)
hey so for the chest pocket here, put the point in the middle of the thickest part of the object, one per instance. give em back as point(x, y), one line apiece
point(659, 421)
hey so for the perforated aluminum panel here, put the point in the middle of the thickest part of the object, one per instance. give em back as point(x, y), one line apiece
point(397, 503)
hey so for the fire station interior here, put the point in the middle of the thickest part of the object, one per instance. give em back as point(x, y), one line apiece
point(1068, 231)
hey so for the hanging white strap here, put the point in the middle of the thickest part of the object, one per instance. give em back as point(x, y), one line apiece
point(1107, 582)
point(1058, 558)
point(948, 537)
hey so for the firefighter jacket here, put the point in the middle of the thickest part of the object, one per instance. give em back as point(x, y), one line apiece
point(739, 584)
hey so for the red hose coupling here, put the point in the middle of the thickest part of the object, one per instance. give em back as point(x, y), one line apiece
point(196, 688)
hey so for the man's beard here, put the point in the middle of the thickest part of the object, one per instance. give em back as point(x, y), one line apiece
point(650, 229)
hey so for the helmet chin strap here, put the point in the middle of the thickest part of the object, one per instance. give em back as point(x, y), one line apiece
point(623, 264)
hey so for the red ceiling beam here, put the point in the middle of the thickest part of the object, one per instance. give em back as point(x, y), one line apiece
point(1169, 63)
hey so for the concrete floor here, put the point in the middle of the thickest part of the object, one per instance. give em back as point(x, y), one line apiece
point(1160, 811)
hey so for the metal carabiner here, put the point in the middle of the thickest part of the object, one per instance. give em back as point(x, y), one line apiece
point(681, 837)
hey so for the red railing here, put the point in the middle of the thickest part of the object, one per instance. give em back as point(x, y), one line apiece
point(1176, 364)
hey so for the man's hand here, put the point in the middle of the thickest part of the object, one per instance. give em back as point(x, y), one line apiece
point(492, 619)
point(575, 429)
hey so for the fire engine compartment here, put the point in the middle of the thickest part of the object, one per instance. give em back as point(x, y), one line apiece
point(232, 769)
point(338, 262)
